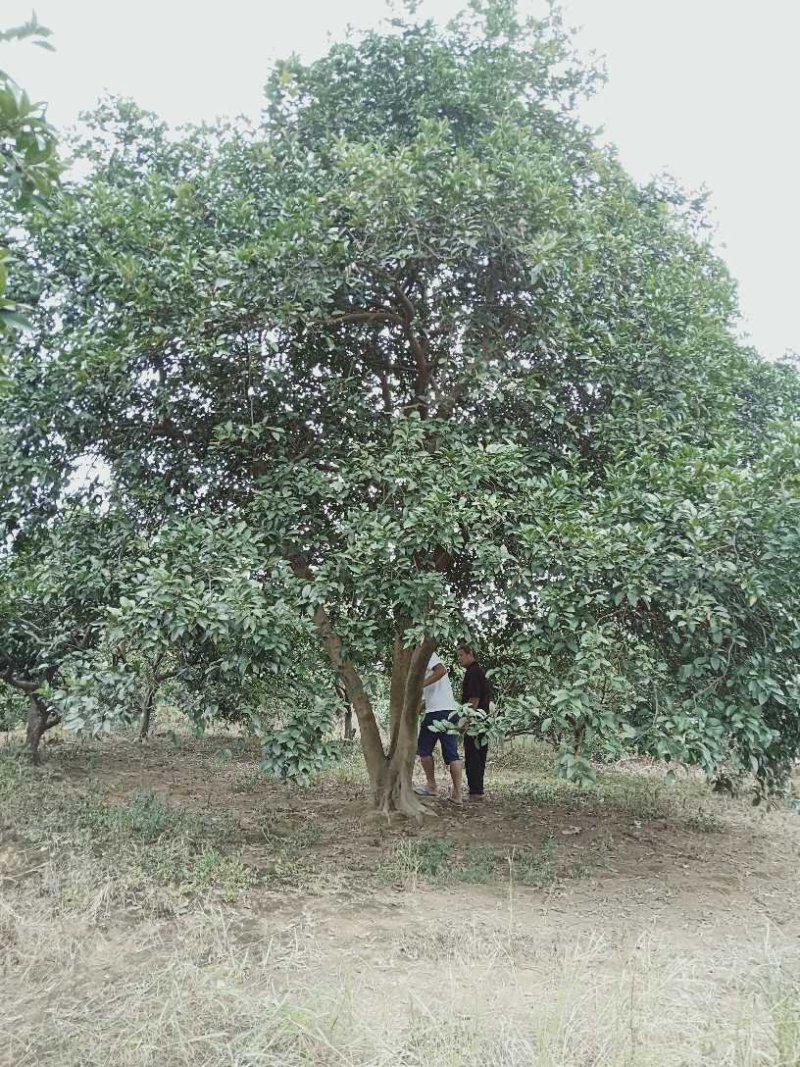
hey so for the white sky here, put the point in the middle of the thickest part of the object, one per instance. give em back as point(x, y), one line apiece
point(706, 89)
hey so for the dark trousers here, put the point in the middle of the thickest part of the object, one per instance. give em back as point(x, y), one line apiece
point(475, 763)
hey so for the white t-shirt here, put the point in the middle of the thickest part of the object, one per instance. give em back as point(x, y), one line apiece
point(439, 696)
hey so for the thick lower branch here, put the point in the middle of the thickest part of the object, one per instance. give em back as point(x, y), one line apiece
point(356, 693)
point(22, 684)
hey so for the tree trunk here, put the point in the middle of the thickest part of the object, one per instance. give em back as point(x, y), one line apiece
point(390, 773)
point(349, 729)
point(394, 790)
point(154, 680)
point(38, 721)
point(401, 662)
point(148, 701)
point(356, 693)
point(40, 718)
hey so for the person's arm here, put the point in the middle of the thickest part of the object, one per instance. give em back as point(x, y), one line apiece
point(471, 694)
point(438, 672)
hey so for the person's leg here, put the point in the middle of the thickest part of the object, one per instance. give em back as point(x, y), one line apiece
point(456, 769)
point(454, 764)
point(425, 742)
point(430, 772)
point(475, 760)
point(470, 761)
point(481, 752)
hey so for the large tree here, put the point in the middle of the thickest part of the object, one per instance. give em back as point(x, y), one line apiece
point(456, 370)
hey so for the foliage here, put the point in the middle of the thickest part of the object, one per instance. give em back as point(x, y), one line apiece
point(29, 166)
point(12, 708)
point(423, 348)
point(198, 612)
point(196, 609)
point(300, 749)
point(54, 591)
point(673, 625)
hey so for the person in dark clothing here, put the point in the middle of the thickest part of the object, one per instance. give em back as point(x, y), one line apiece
point(477, 692)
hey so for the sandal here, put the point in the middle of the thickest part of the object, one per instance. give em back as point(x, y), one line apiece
point(424, 791)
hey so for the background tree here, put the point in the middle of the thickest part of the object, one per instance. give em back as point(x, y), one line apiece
point(54, 592)
point(456, 373)
point(197, 615)
point(28, 163)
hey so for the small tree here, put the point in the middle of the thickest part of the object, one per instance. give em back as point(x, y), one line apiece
point(54, 590)
point(198, 612)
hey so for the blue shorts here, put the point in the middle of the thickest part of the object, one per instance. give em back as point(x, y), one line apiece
point(428, 738)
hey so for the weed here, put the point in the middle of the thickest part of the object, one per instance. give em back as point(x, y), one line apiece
point(291, 840)
point(431, 856)
point(249, 782)
point(704, 822)
point(146, 817)
point(271, 830)
point(479, 866)
point(533, 868)
point(521, 754)
point(435, 860)
point(13, 774)
point(306, 836)
point(211, 869)
point(349, 769)
point(427, 858)
point(641, 799)
point(139, 843)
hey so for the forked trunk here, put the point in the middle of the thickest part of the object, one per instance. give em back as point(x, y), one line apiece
point(390, 773)
point(394, 790)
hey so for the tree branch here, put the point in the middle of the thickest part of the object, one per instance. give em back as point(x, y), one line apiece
point(18, 683)
point(418, 348)
point(382, 315)
point(356, 693)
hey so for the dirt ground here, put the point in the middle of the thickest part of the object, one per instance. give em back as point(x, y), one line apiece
point(634, 923)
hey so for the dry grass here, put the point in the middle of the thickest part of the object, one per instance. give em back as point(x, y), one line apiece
point(134, 931)
point(219, 990)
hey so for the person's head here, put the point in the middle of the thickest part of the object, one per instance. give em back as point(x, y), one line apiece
point(466, 655)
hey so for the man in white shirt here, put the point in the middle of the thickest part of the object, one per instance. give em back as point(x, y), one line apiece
point(437, 692)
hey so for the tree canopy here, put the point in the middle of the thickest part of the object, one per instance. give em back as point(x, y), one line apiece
point(455, 373)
